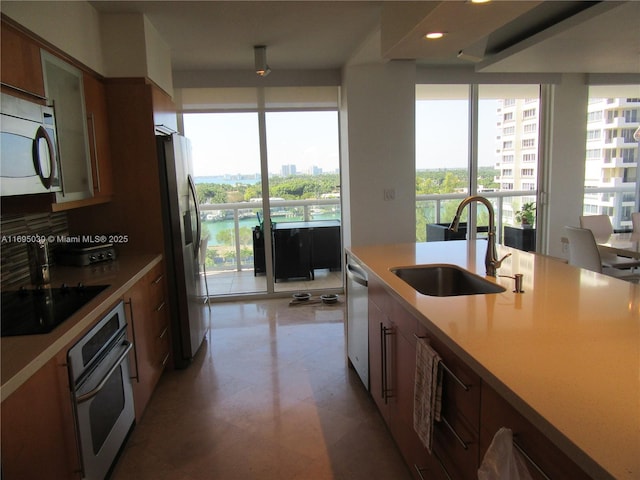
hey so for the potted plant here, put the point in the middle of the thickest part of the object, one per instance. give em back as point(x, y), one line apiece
point(526, 216)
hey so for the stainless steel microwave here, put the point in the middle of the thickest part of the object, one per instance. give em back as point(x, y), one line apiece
point(29, 160)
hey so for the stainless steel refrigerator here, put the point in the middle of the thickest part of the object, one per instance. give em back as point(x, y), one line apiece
point(182, 234)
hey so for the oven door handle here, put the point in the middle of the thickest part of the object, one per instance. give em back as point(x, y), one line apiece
point(95, 391)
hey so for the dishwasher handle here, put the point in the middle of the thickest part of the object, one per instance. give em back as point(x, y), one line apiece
point(357, 274)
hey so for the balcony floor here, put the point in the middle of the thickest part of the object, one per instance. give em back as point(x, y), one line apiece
point(232, 282)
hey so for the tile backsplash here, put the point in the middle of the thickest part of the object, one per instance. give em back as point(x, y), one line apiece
point(15, 231)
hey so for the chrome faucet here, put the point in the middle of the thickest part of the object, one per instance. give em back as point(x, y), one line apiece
point(491, 261)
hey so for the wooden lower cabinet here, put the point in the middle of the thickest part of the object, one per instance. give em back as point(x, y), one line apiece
point(392, 361)
point(148, 325)
point(471, 412)
point(38, 436)
point(497, 412)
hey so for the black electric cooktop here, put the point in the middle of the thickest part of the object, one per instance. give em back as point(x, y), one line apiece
point(35, 311)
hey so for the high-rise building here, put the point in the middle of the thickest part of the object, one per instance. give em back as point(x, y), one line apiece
point(517, 148)
point(611, 160)
point(287, 170)
point(612, 157)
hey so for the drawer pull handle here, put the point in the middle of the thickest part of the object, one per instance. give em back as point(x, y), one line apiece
point(384, 333)
point(164, 332)
point(453, 375)
point(164, 360)
point(444, 469)
point(530, 460)
point(160, 307)
point(157, 280)
point(129, 303)
point(455, 434)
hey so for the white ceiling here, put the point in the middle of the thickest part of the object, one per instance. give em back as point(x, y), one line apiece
point(510, 36)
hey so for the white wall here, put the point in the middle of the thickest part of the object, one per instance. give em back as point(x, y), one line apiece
point(565, 154)
point(378, 152)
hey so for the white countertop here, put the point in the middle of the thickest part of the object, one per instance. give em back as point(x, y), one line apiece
point(22, 356)
point(566, 353)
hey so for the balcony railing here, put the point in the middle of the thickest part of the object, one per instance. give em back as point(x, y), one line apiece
point(432, 208)
point(440, 208)
point(233, 222)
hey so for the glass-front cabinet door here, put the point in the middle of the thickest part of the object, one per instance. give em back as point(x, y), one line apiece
point(64, 90)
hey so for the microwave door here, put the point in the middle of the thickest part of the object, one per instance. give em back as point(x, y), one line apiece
point(29, 161)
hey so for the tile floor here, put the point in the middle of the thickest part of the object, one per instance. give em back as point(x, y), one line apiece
point(269, 396)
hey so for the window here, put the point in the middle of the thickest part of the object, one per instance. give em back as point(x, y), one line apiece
point(594, 134)
point(595, 116)
point(631, 116)
point(529, 157)
point(627, 135)
point(499, 130)
point(528, 143)
point(594, 154)
point(628, 155)
point(529, 113)
point(442, 154)
point(527, 172)
point(294, 151)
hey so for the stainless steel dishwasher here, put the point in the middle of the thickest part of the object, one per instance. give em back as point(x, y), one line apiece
point(357, 319)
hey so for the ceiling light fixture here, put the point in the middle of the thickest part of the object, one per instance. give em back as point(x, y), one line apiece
point(434, 35)
point(480, 1)
point(262, 69)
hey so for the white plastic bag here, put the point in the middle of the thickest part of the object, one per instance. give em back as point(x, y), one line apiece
point(502, 461)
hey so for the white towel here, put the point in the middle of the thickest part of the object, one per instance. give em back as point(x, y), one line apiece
point(427, 396)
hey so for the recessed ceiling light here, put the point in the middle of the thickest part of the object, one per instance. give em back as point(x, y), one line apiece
point(480, 1)
point(434, 35)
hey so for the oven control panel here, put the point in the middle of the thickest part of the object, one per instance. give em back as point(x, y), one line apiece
point(88, 255)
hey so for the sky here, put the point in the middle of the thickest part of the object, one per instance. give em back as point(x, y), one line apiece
point(227, 143)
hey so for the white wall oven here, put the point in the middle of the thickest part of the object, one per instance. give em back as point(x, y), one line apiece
point(102, 393)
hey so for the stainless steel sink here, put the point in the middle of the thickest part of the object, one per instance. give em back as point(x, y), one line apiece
point(445, 281)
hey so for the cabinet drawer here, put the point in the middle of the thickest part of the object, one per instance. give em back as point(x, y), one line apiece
point(162, 347)
point(156, 280)
point(457, 447)
point(460, 386)
point(378, 294)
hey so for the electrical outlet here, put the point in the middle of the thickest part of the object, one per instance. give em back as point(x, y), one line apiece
point(389, 194)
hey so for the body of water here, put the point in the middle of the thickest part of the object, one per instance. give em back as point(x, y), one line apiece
point(227, 181)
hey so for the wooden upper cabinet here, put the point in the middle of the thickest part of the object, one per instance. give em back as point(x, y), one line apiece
point(164, 110)
point(20, 63)
point(95, 97)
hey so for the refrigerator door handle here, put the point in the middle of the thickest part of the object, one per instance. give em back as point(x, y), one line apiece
point(194, 198)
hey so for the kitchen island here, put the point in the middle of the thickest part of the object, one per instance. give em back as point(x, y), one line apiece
point(565, 353)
